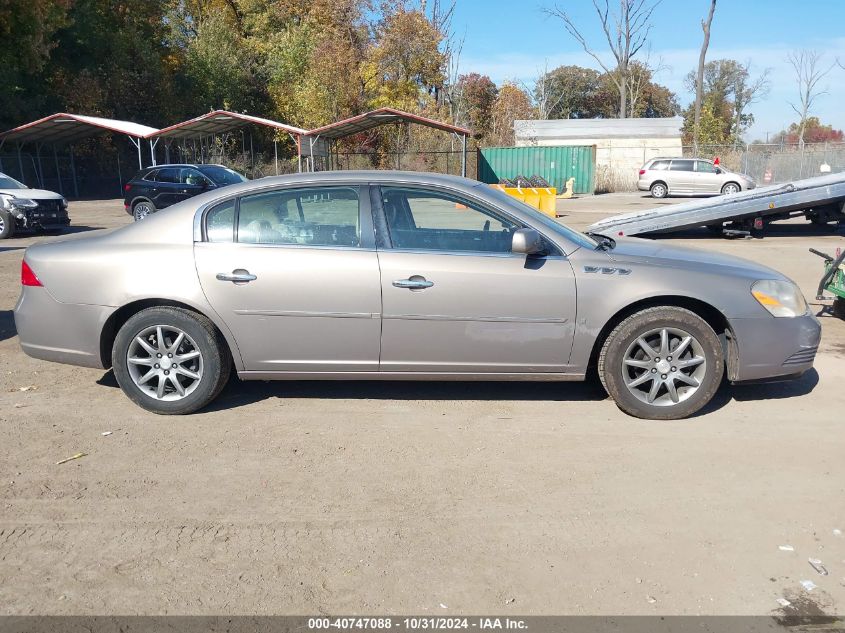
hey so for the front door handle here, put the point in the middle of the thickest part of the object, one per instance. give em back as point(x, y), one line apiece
point(415, 282)
point(237, 276)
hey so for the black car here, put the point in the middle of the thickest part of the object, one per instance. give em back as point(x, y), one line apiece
point(156, 188)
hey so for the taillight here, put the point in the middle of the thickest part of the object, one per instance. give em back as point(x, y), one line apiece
point(126, 187)
point(28, 277)
point(642, 172)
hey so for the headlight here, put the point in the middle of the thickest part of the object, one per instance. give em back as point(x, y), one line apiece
point(10, 203)
point(781, 298)
point(64, 203)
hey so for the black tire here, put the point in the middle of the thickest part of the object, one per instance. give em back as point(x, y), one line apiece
point(613, 373)
point(141, 209)
point(839, 307)
point(215, 359)
point(7, 225)
point(659, 190)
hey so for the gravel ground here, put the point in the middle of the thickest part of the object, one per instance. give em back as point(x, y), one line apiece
point(422, 498)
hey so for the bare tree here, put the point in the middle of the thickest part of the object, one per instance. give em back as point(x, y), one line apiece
point(699, 78)
point(626, 33)
point(747, 91)
point(809, 71)
point(641, 73)
point(545, 98)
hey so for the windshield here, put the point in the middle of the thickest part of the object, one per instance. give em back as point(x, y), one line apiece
point(222, 175)
point(10, 183)
point(572, 235)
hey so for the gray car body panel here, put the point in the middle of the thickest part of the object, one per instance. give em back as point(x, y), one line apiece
point(334, 313)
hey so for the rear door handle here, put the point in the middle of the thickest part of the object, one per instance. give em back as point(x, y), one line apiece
point(237, 276)
point(416, 282)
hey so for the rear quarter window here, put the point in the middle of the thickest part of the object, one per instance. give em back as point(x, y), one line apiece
point(660, 165)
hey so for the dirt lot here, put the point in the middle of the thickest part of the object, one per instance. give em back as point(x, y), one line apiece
point(421, 498)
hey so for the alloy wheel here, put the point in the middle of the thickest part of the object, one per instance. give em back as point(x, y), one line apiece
point(142, 210)
point(664, 366)
point(164, 363)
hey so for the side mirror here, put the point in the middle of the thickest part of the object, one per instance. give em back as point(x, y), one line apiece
point(718, 171)
point(527, 241)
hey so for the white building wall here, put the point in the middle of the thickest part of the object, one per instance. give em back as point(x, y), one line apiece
point(622, 145)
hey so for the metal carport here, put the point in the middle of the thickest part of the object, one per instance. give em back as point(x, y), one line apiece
point(64, 129)
point(220, 122)
point(384, 116)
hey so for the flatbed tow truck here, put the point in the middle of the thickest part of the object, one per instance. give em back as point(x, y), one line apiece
point(820, 199)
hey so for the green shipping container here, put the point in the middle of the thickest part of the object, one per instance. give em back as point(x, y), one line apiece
point(556, 164)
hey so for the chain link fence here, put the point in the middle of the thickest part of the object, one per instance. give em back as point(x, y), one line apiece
point(776, 162)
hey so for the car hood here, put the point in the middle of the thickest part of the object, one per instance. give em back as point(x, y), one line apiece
point(32, 194)
point(657, 253)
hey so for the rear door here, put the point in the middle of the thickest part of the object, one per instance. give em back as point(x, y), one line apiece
point(457, 300)
point(294, 274)
point(681, 176)
point(167, 186)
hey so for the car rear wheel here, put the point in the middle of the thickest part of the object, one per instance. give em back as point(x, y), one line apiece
point(659, 190)
point(142, 209)
point(7, 225)
point(662, 363)
point(170, 360)
point(731, 187)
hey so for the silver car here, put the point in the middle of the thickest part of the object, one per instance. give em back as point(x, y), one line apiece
point(690, 176)
point(402, 276)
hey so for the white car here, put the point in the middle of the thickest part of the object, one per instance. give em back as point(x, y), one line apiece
point(25, 209)
point(690, 177)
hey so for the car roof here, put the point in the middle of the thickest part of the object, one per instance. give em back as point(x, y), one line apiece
point(194, 165)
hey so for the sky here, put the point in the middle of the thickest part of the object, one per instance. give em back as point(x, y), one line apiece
point(515, 40)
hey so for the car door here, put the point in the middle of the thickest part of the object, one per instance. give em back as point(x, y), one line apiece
point(167, 185)
point(294, 274)
point(456, 299)
point(681, 176)
point(192, 182)
point(708, 177)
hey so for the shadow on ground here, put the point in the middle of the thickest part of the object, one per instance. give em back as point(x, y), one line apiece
point(243, 393)
point(7, 325)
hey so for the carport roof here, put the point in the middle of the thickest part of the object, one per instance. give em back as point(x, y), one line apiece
point(65, 128)
point(382, 116)
point(218, 122)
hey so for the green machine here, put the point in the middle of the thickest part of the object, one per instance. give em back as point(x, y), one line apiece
point(833, 280)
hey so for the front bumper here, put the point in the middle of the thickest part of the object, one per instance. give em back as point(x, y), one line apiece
point(770, 349)
point(59, 332)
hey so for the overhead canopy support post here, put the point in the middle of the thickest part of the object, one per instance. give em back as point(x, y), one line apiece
point(73, 173)
point(153, 144)
point(276, 154)
point(137, 143)
point(464, 155)
point(20, 162)
point(40, 169)
point(58, 173)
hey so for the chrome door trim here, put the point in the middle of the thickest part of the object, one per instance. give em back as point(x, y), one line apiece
point(305, 313)
point(413, 375)
point(486, 319)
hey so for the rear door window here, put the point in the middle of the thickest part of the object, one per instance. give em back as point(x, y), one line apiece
point(313, 216)
point(682, 165)
point(168, 174)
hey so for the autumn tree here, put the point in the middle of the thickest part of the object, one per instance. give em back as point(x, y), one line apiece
point(814, 131)
point(512, 104)
point(476, 98)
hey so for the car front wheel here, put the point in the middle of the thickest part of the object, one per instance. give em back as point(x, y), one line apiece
point(730, 188)
point(663, 363)
point(170, 360)
point(7, 225)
